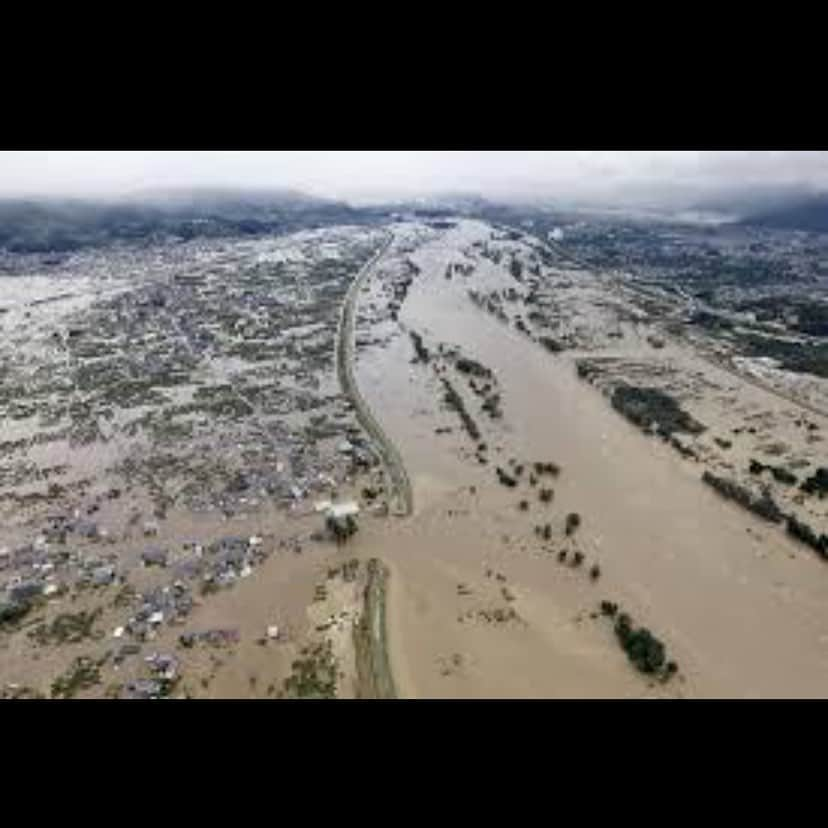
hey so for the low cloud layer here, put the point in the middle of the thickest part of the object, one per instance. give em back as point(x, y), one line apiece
point(571, 175)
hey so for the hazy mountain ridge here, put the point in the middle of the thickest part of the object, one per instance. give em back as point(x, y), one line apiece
point(804, 214)
point(61, 225)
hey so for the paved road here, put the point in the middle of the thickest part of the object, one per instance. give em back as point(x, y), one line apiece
point(401, 496)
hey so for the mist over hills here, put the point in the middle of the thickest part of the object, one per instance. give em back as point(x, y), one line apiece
point(44, 225)
point(63, 224)
point(793, 204)
point(810, 214)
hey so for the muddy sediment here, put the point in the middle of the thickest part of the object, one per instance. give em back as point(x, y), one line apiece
point(661, 540)
point(166, 525)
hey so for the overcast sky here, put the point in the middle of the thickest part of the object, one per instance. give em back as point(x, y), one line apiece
point(359, 174)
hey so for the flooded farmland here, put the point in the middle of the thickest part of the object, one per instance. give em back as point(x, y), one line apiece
point(166, 432)
point(660, 541)
point(558, 494)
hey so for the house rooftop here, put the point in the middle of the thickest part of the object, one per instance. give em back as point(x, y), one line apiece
point(343, 510)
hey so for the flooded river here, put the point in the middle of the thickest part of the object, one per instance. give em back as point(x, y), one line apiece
point(741, 608)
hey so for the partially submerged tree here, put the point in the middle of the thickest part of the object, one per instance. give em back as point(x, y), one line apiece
point(341, 529)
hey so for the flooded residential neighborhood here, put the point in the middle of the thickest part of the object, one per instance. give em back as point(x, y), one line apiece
point(159, 428)
point(457, 450)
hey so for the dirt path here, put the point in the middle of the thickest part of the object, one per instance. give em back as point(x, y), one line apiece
point(375, 680)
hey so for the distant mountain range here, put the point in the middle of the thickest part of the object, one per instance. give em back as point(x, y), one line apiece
point(41, 225)
point(791, 207)
point(223, 198)
point(803, 214)
point(63, 225)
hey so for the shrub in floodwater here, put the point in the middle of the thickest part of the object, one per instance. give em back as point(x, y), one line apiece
point(643, 649)
point(817, 484)
point(506, 479)
point(805, 534)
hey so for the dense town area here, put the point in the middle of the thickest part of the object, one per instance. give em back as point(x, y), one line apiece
point(159, 407)
point(467, 452)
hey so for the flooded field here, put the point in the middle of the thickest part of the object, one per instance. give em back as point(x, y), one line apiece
point(166, 432)
point(559, 495)
point(664, 543)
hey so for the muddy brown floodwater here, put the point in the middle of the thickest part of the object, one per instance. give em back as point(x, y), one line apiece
point(741, 609)
point(193, 524)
